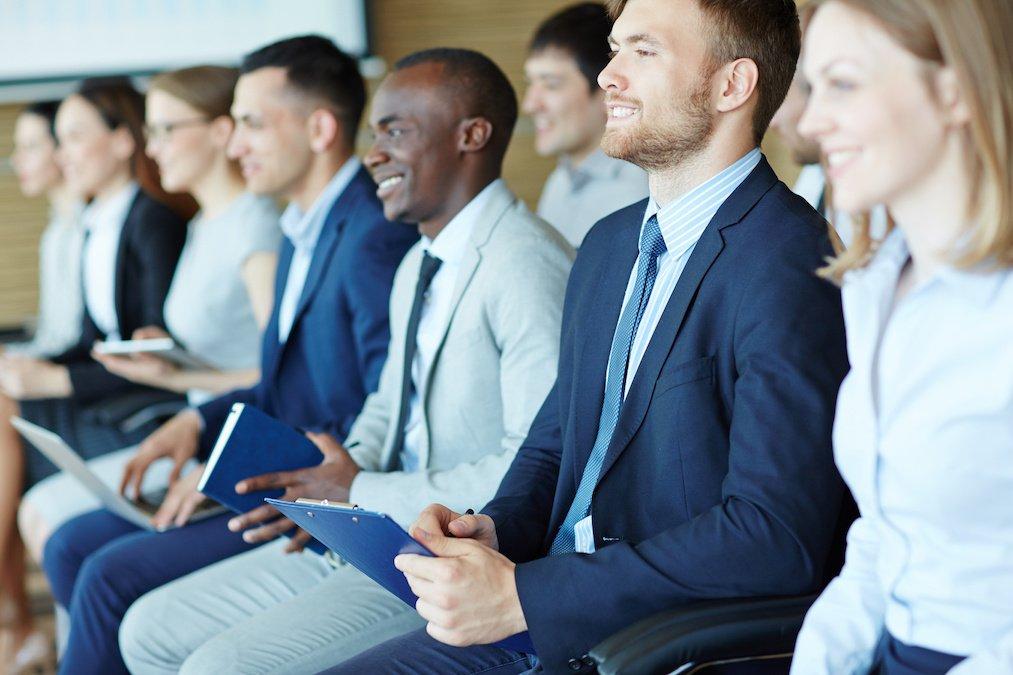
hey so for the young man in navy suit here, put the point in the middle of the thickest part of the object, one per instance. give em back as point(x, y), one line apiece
point(297, 107)
point(684, 452)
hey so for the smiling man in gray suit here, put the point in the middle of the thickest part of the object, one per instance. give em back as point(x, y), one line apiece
point(475, 316)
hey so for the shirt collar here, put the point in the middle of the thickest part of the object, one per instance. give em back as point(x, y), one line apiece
point(978, 284)
point(303, 228)
point(112, 210)
point(683, 221)
point(449, 244)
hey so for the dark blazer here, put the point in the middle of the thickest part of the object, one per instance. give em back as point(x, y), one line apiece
point(319, 379)
point(720, 479)
point(150, 244)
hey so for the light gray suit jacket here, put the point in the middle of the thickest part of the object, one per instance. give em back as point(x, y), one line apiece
point(491, 372)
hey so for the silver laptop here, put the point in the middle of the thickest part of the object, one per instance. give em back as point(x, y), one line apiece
point(62, 455)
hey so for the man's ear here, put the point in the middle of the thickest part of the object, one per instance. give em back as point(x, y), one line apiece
point(951, 97)
point(737, 82)
point(324, 129)
point(474, 134)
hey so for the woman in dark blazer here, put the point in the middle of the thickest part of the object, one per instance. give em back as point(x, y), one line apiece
point(134, 235)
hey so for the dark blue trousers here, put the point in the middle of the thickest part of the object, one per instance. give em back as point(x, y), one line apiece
point(416, 653)
point(98, 564)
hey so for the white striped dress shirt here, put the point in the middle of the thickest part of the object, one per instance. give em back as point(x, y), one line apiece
point(682, 223)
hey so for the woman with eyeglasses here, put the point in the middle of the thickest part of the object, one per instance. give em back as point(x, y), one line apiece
point(912, 105)
point(222, 293)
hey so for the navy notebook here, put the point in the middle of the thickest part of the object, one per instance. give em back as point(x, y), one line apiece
point(369, 541)
point(252, 443)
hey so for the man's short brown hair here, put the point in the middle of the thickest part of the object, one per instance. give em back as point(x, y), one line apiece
point(765, 31)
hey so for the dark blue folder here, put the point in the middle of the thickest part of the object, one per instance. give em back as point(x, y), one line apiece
point(252, 443)
point(369, 541)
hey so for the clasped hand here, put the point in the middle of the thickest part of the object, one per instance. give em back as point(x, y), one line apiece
point(467, 594)
point(332, 479)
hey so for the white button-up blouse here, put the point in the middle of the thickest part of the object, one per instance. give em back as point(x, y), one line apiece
point(924, 438)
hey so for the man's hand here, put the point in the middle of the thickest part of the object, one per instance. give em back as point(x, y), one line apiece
point(468, 594)
point(438, 519)
point(332, 479)
point(23, 378)
point(177, 439)
point(180, 502)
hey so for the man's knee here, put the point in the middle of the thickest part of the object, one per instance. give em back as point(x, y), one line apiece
point(145, 642)
point(217, 655)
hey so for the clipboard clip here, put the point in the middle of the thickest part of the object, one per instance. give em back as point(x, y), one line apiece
point(325, 502)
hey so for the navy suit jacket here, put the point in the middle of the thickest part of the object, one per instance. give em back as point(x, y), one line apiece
point(150, 244)
point(720, 479)
point(319, 378)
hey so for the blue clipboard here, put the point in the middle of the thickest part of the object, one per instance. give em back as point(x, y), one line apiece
point(369, 541)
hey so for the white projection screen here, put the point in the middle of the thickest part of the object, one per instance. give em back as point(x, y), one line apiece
point(44, 40)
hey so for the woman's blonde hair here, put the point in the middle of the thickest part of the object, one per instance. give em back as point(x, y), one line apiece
point(972, 38)
point(207, 88)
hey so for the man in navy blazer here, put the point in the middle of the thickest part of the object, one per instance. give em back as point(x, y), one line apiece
point(297, 106)
point(684, 452)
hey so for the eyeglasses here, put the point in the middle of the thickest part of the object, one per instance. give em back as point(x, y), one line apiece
point(157, 132)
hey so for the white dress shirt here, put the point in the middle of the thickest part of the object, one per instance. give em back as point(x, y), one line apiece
point(303, 230)
point(575, 197)
point(682, 223)
point(449, 246)
point(103, 222)
point(924, 438)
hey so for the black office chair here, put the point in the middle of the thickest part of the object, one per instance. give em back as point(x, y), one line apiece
point(742, 635)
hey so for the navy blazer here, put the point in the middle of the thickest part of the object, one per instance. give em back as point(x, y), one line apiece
point(149, 248)
point(319, 378)
point(720, 479)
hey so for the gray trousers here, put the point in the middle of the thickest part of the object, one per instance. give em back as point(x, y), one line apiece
point(261, 612)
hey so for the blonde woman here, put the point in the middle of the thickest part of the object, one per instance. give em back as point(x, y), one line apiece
point(222, 292)
point(912, 103)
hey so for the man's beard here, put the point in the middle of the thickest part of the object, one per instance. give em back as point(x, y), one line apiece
point(686, 132)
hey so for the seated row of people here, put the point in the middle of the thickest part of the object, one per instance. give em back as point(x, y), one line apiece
point(653, 427)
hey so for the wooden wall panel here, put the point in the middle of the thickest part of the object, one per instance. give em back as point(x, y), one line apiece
point(499, 29)
point(21, 223)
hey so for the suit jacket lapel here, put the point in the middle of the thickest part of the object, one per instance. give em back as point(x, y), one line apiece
point(701, 259)
point(488, 218)
point(330, 235)
point(272, 347)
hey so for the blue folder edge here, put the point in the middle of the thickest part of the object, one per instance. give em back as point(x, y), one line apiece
point(369, 541)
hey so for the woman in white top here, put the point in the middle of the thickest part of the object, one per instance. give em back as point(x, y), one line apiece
point(60, 301)
point(912, 104)
point(223, 290)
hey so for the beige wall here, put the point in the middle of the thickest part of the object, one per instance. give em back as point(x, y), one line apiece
point(499, 29)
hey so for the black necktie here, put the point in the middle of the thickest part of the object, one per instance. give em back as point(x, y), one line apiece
point(430, 265)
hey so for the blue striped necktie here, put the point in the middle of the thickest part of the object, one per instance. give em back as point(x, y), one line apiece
point(652, 245)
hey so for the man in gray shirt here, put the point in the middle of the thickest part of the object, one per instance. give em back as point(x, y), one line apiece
point(568, 109)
